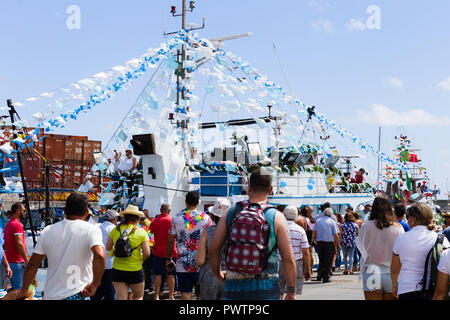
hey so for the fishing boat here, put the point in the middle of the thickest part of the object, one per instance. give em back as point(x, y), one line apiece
point(305, 172)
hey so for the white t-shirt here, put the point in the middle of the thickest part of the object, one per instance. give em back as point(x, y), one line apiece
point(444, 262)
point(126, 164)
point(67, 245)
point(376, 244)
point(106, 228)
point(412, 248)
point(299, 240)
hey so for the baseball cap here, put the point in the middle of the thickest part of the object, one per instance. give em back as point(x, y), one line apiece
point(290, 212)
point(111, 214)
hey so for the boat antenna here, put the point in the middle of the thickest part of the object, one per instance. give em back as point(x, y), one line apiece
point(182, 109)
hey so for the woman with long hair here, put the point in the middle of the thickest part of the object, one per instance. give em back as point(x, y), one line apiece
point(337, 245)
point(357, 253)
point(375, 242)
point(127, 271)
point(410, 252)
point(306, 212)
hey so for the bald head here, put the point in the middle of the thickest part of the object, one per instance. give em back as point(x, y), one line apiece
point(165, 208)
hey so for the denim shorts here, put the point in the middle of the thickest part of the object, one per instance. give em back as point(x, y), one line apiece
point(377, 278)
point(76, 297)
point(17, 274)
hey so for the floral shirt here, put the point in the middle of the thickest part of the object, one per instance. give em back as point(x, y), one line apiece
point(348, 237)
point(187, 226)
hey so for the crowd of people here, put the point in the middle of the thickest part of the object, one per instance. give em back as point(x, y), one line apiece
point(248, 250)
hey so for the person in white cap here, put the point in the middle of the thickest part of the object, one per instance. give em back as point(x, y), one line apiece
point(300, 247)
point(106, 289)
point(325, 234)
point(127, 270)
point(211, 288)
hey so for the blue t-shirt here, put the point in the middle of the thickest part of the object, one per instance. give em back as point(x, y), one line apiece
point(326, 228)
point(404, 225)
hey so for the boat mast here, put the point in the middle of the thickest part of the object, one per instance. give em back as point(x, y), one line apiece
point(180, 72)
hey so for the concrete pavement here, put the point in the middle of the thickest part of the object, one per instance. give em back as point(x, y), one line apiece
point(342, 287)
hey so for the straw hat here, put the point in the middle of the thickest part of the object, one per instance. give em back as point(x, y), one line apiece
point(220, 207)
point(132, 210)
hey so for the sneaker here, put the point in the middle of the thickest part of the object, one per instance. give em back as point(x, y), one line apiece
point(345, 272)
point(327, 281)
point(350, 272)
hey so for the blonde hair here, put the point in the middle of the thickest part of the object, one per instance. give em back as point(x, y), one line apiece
point(423, 214)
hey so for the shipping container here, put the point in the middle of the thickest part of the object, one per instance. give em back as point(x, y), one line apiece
point(54, 149)
point(69, 149)
point(37, 184)
point(78, 150)
point(88, 151)
point(32, 167)
point(72, 156)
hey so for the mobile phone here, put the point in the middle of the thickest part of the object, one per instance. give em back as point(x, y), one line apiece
point(170, 266)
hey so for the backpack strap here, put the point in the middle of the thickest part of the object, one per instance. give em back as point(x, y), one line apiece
point(439, 240)
point(129, 234)
point(273, 212)
point(232, 214)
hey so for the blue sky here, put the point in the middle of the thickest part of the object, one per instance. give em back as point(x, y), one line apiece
point(397, 77)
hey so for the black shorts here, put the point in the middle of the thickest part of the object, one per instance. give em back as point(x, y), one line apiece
point(159, 266)
point(129, 277)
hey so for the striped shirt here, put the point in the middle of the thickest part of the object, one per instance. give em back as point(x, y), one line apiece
point(299, 240)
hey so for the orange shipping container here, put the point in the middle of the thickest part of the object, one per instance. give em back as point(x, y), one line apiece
point(32, 168)
point(54, 149)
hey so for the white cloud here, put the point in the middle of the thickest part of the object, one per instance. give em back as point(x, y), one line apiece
point(381, 115)
point(323, 25)
point(394, 82)
point(445, 85)
point(355, 25)
point(319, 5)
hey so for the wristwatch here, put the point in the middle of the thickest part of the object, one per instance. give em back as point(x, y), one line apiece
point(290, 289)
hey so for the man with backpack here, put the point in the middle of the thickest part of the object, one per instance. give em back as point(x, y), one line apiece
point(251, 231)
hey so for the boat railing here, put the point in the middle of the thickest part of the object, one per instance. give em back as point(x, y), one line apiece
point(228, 185)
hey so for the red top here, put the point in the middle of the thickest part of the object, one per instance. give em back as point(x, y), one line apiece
point(160, 228)
point(12, 228)
point(358, 179)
